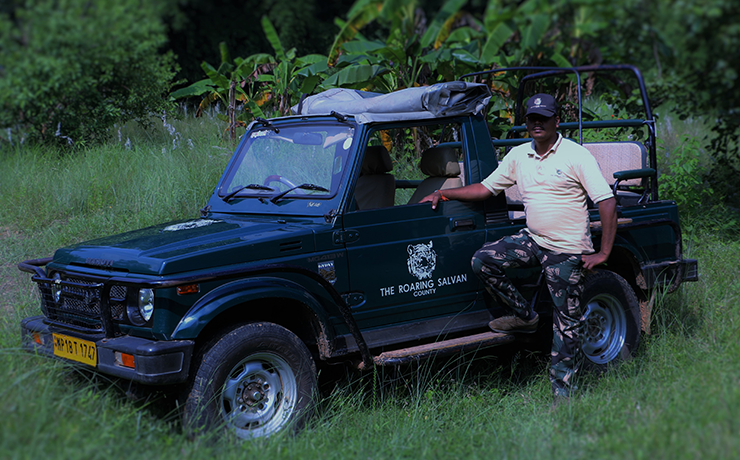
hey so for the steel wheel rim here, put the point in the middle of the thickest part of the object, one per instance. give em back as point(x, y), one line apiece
point(259, 396)
point(605, 329)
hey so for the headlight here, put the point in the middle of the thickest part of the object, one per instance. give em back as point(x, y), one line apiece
point(56, 287)
point(143, 311)
point(146, 304)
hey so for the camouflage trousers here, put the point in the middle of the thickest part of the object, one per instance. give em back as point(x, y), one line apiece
point(564, 279)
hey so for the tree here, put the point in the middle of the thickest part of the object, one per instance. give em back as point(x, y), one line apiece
point(290, 75)
point(690, 54)
point(231, 82)
point(704, 71)
point(402, 48)
point(196, 27)
point(73, 68)
point(260, 80)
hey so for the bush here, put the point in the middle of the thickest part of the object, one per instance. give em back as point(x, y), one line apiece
point(70, 69)
point(682, 175)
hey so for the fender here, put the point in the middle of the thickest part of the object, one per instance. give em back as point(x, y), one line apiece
point(625, 262)
point(627, 251)
point(622, 241)
point(193, 324)
point(625, 258)
point(242, 291)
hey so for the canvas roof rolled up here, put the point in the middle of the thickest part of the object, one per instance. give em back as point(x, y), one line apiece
point(438, 100)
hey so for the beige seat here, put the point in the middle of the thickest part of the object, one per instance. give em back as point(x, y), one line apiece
point(375, 187)
point(443, 169)
point(620, 156)
point(616, 157)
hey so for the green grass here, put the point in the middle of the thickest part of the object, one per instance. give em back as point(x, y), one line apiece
point(678, 399)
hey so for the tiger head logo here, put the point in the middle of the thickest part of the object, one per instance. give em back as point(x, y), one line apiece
point(422, 260)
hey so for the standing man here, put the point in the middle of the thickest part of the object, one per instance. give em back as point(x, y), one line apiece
point(554, 176)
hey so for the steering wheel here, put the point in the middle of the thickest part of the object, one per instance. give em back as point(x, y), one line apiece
point(278, 178)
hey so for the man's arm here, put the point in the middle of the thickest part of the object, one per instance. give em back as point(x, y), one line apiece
point(472, 192)
point(608, 216)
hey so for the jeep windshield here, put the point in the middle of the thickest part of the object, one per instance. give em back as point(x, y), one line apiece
point(296, 162)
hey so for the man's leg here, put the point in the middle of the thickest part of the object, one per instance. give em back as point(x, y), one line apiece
point(564, 277)
point(489, 263)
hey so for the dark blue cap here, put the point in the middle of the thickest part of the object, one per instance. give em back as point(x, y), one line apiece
point(542, 104)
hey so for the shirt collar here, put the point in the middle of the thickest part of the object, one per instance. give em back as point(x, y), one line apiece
point(533, 152)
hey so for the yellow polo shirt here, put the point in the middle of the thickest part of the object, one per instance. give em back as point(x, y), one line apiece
point(553, 189)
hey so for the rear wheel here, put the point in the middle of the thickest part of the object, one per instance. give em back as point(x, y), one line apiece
point(611, 319)
point(255, 381)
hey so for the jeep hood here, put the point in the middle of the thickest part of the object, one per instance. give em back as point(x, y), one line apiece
point(191, 245)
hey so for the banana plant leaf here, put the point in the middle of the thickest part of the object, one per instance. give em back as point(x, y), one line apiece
point(355, 74)
point(196, 89)
point(440, 24)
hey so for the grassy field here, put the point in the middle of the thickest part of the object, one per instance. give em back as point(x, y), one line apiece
point(678, 399)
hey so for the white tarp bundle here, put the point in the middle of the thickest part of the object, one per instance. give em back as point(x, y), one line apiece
point(438, 100)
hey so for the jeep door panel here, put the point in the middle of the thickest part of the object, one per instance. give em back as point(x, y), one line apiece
point(412, 262)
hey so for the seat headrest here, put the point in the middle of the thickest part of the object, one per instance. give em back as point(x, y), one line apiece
point(377, 161)
point(440, 162)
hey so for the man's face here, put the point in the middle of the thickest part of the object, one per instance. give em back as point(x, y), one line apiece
point(542, 128)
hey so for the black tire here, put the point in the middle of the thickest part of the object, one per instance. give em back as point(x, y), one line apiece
point(254, 381)
point(611, 330)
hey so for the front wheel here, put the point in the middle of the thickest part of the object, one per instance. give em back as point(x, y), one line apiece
point(255, 381)
point(611, 319)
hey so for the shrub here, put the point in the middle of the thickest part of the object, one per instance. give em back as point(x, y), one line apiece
point(682, 178)
point(70, 69)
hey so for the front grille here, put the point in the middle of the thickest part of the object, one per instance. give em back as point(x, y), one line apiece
point(78, 301)
point(118, 302)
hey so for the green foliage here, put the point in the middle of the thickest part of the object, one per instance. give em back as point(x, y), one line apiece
point(408, 50)
point(260, 82)
point(682, 178)
point(291, 75)
point(386, 64)
point(142, 177)
point(196, 27)
point(72, 68)
point(690, 52)
point(228, 84)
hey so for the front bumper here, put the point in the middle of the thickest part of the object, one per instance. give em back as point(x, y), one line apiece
point(155, 362)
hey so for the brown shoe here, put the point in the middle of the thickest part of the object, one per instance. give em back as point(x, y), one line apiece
point(510, 324)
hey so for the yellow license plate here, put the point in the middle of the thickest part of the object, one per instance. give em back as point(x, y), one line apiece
point(75, 349)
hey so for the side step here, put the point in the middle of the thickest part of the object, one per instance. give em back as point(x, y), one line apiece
point(446, 347)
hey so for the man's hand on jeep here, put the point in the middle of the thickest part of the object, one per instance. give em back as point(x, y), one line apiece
point(434, 198)
point(608, 217)
point(592, 260)
point(472, 192)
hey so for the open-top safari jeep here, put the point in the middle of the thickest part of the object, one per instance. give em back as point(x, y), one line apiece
point(313, 249)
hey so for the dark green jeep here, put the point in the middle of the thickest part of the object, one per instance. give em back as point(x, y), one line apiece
point(314, 249)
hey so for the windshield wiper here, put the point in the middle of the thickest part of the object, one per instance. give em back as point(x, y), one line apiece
point(319, 188)
point(231, 195)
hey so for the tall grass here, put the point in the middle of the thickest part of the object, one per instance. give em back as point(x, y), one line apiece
point(679, 398)
point(146, 177)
